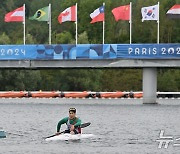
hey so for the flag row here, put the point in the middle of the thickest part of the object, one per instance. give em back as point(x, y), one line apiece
point(98, 15)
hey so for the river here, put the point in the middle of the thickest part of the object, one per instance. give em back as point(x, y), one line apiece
point(120, 126)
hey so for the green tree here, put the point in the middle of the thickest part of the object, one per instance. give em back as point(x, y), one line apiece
point(63, 38)
point(4, 39)
point(167, 82)
point(82, 39)
point(115, 32)
point(19, 80)
point(122, 80)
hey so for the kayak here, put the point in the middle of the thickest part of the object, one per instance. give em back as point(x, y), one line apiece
point(66, 137)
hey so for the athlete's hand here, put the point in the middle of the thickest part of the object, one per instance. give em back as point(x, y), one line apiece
point(72, 128)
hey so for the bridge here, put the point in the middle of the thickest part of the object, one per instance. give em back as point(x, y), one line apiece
point(149, 57)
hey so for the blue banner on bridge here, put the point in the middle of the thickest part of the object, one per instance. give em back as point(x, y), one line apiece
point(89, 51)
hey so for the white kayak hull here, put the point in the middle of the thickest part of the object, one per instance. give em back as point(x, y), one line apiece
point(66, 137)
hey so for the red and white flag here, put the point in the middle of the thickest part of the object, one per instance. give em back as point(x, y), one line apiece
point(15, 16)
point(174, 12)
point(97, 15)
point(68, 14)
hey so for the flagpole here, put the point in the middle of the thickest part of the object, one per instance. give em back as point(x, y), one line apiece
point(130, 22)
point(49, 22)
point(158, 26)
point(24, 24)
point(103, 23)
point(76, 26)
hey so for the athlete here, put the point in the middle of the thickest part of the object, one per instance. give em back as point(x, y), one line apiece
point(73, 123)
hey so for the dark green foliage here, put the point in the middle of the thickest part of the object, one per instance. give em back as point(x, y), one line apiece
point(115, 32)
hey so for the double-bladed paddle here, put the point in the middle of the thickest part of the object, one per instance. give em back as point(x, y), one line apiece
point(81, 126)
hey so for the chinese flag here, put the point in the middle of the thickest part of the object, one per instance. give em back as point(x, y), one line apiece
point(122, 12)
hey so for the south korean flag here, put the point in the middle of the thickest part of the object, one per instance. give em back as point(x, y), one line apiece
point(150, 13)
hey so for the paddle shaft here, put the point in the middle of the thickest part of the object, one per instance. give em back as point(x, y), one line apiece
point(81, 126)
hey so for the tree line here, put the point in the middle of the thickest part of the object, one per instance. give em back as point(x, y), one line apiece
point(115, 32)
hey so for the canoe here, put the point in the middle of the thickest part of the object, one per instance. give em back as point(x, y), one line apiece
point(43, 94)
point(76, 94)
point(66, 137)
point(112, 94)
point(12, 94)
point(2, 134)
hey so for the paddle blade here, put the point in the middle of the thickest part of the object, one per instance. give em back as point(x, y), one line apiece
point(53, 135)
point(85, 125)
point(49, 136)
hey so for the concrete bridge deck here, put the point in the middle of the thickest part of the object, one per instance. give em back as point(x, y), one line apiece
point(87, 63)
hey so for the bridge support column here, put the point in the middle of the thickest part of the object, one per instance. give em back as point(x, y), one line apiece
point(149, 85)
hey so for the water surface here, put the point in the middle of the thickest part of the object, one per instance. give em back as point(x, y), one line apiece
point(119, 125)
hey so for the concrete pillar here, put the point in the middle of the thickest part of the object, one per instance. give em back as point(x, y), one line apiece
point(149, 85)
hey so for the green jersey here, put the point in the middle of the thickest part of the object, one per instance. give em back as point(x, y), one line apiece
point(76, 122)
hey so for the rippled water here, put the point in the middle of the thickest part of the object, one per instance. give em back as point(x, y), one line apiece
point(119, 126)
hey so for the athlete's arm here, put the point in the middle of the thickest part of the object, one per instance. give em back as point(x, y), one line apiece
point(63, 121)
point(78, 123)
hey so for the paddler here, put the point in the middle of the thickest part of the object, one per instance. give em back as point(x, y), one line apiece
point(73, 123)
